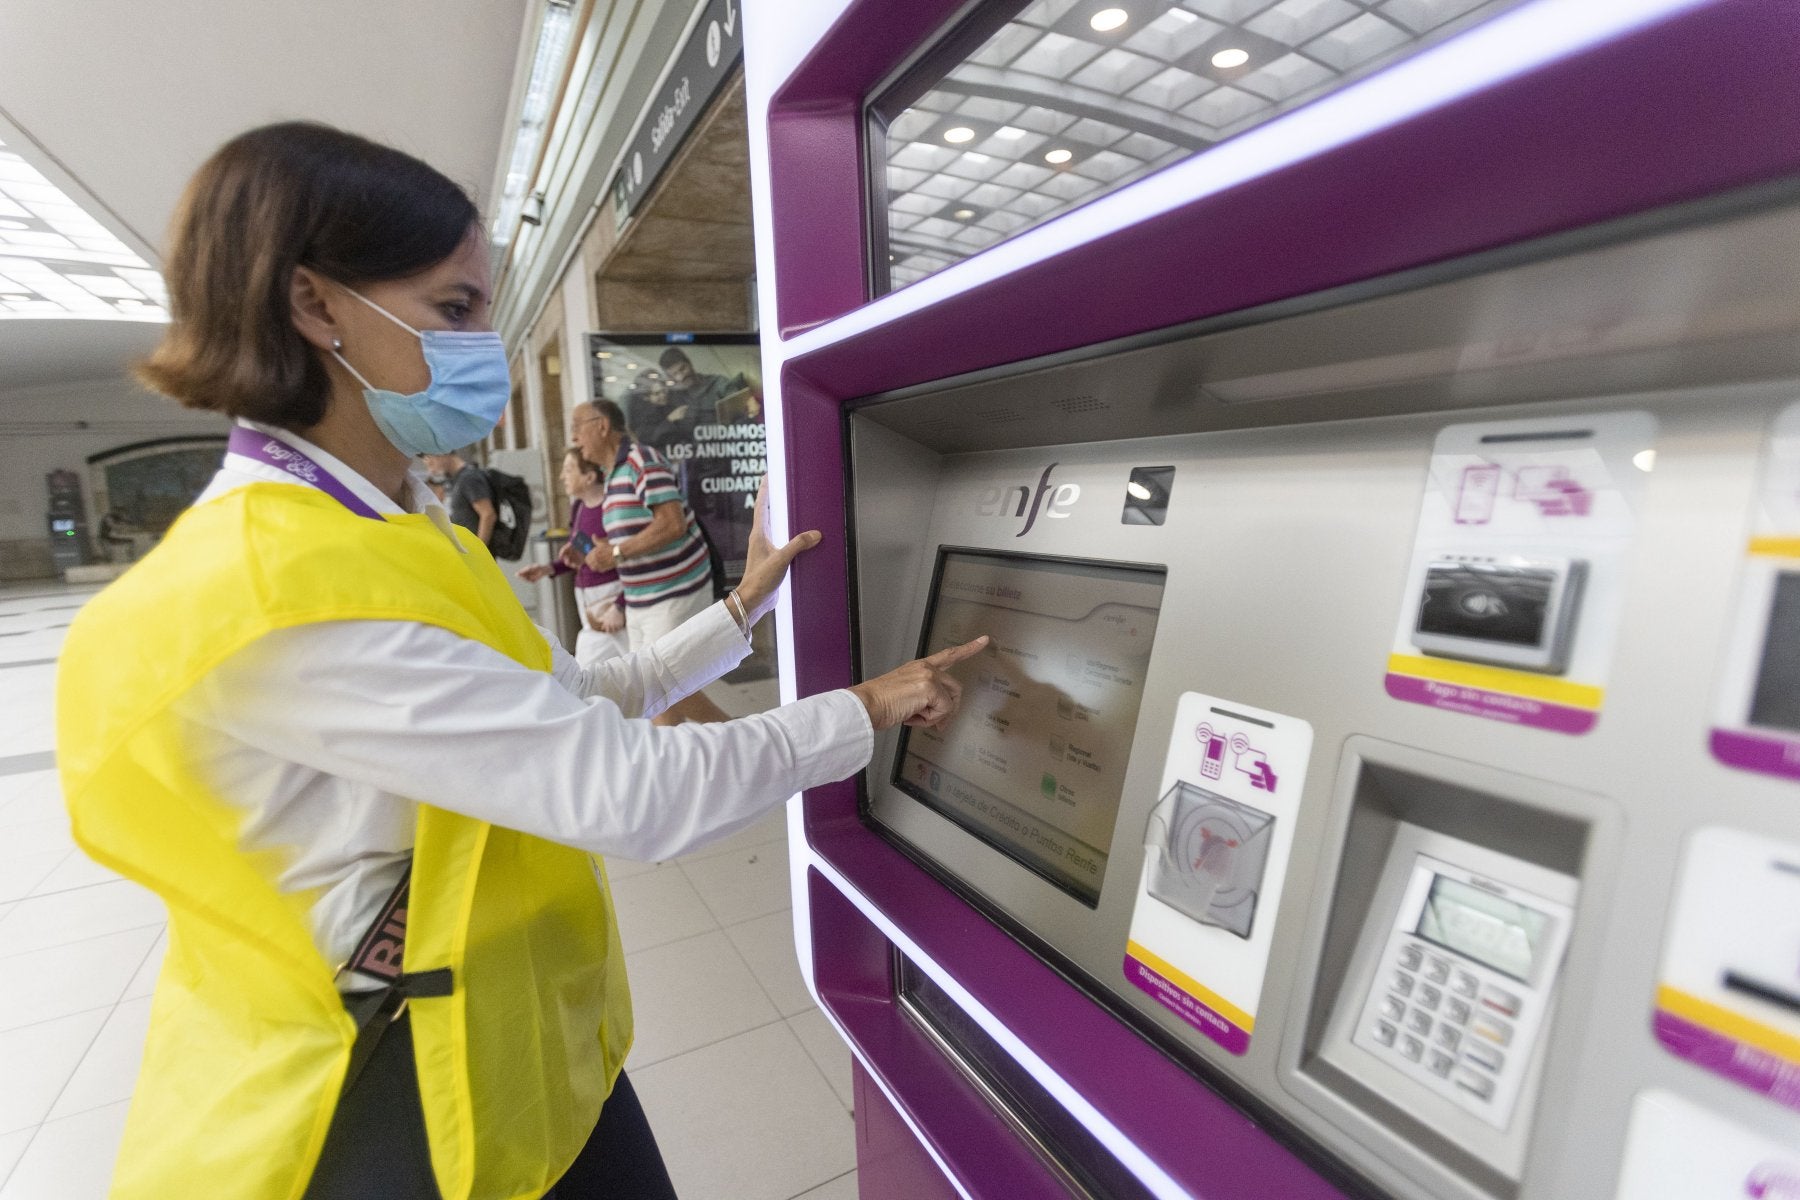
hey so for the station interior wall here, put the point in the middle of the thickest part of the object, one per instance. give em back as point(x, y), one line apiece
point(58, 426)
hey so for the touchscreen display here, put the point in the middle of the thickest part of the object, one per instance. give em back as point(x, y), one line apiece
point(1490, 929)
point(1034, 761)
point(1776, 702)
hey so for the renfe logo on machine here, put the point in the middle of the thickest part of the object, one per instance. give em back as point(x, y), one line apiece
point(1021, 501)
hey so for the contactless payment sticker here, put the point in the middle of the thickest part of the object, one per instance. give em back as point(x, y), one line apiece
point(1728, 996)
point(1676, 1149)
point(1758, 712)
point(1517, 575)
point(1216, 853)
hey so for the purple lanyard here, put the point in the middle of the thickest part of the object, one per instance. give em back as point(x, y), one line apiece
point(266, 448)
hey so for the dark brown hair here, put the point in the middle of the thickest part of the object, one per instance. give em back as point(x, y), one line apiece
point(584, 464)
point(297, 193)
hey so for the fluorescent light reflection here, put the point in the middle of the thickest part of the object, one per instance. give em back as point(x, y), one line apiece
point(56, 261)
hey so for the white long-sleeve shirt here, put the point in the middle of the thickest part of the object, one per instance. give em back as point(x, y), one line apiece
point(331, 734)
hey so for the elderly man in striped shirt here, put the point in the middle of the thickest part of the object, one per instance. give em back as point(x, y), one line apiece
point(652, 540)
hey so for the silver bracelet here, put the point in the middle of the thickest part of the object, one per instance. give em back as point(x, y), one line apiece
point(742, 616)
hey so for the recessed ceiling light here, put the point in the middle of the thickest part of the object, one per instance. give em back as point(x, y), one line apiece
point(1007, 133)
point(976, 158)
point(1644, 460)
point(1138, 490)
point(1109, 19)
point(603, 354)
point(1227, 59)
point(612, 379)
point(70, 265)
point(1059, 157)
point(959, 135)
point(963, 214)
point(631, 366)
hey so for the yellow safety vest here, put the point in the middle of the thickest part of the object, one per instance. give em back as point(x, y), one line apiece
point(248, 1039)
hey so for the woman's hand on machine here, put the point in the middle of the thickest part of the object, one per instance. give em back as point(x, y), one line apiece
point(923, 692)
point(765, 566)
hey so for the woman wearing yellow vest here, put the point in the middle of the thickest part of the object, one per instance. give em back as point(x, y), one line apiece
point(316, 721)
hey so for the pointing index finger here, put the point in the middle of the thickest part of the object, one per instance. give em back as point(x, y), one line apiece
point(951, 655)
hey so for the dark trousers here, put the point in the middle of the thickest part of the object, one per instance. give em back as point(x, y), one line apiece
point(376, 1148)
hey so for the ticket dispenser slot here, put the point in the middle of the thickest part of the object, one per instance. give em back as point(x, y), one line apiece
point(1444, 957)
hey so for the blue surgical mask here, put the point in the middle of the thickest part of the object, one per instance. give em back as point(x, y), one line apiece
point(470, 386)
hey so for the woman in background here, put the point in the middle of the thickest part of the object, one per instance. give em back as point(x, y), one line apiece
point(599, 595)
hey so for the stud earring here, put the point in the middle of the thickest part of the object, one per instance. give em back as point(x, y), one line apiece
point(336, 344)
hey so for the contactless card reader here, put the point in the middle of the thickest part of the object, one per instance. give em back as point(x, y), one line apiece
point(1449, 995)
point(1508, 611)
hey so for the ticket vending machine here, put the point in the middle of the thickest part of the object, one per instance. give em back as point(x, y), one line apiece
point(1370, 434)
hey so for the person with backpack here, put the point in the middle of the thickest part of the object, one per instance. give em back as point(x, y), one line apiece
point(471, 496)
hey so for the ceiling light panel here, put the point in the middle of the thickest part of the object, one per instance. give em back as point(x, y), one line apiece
point(57, 261)
point(548, 59)
point(1059, 107)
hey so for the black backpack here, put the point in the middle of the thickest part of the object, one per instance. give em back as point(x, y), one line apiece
point(512, 509)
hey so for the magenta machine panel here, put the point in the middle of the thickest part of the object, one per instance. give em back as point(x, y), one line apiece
point(1365, 430)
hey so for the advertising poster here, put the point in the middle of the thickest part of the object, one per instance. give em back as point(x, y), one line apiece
point(697, 398)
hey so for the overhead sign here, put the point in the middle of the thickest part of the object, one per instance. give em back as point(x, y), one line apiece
point(711, 53)
point(697, 399)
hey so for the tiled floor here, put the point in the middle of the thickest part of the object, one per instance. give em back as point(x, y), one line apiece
point(746, 1084)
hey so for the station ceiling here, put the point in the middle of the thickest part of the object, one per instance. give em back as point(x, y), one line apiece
point(120, 102)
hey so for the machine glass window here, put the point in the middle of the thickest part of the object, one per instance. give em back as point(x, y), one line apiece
point(1494, 931)
point(1034, 761)
point(1028, 110)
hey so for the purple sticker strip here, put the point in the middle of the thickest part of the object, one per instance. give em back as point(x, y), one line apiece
point(265, 448)
point(1754, 1068)
point(1187, 1007)
point(1495, 706)
point(1757, 752)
